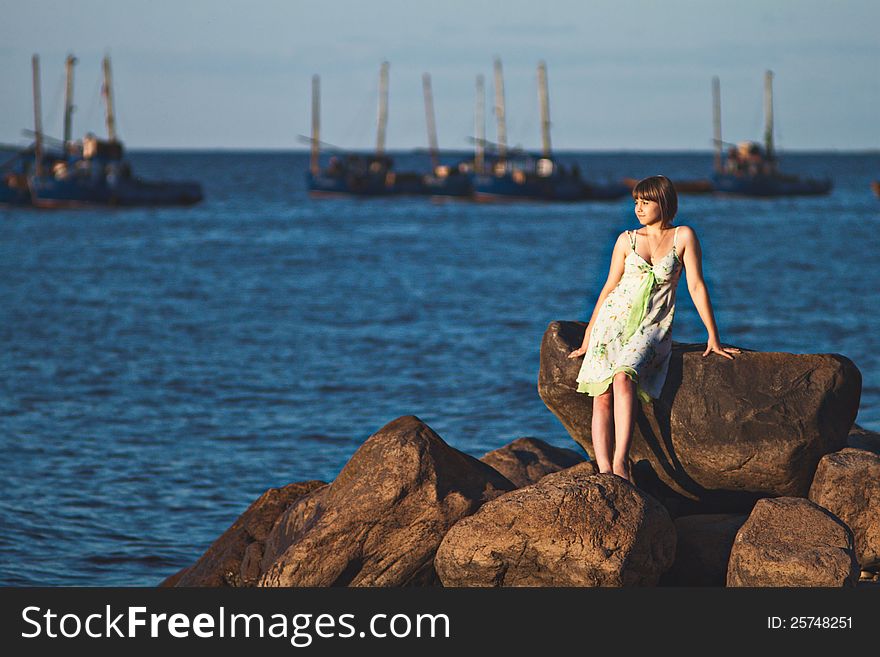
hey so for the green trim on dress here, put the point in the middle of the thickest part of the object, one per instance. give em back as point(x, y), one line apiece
point(594, 389)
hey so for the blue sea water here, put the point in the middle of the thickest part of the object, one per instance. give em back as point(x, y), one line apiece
point(161, 368)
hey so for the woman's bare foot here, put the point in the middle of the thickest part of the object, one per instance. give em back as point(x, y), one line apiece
point(623, 471)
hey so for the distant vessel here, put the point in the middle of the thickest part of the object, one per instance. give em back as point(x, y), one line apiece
point(444, 180)
point(749, 170)
point(15, 171)
point(355, 174)
point(93, 171)
point(522, 176)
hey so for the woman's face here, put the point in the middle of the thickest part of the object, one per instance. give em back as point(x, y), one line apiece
point(648, 212)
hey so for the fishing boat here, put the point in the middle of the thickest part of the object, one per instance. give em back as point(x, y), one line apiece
point(444, 180)
point(93, 171)
point(524, 176)
point(750, 170)
point(15, 171)
point(357, 174)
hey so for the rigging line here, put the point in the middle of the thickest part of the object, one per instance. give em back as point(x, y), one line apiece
point(529, 126)
point(358, 122)
point(120, 125)
point(56, 100)
point(758, 121)
point(95, 99)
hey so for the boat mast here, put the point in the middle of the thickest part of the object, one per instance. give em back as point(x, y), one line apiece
point(383, 109)
point(316, 125)
point(38, 117)
point(499, 111)
point(768, 116)
point(544, 98)
point(716, 119)
point(107, 92)
point(68, 102)
point(429, 118)
point(480, 127)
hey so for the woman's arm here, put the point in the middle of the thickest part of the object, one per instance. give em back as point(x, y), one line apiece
point(693, 264)
point(618, 260)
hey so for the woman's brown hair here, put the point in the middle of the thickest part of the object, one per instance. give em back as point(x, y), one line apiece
point(660, 190)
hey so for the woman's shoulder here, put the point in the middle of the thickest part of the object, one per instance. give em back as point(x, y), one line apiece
point(685, 232)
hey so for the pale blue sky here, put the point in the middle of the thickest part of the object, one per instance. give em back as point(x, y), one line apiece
point(624, 74)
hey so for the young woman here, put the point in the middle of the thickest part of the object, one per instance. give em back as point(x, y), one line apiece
point(628, 340)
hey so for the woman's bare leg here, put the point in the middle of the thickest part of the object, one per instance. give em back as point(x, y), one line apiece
point(602, 430)
point(624, 416)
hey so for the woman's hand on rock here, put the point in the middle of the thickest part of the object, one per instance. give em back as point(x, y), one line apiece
point(714, 347)
point(580, 351)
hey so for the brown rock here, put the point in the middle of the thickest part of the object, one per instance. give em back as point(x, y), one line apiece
point(847, 483)
point(702, 549)
point(380, 522)
point(172, 580)
point(863, 439)
point(526, 460)
point(291, 525)
point(723, 433)
point(790, 541)
point(221, 565)
point(573, 528)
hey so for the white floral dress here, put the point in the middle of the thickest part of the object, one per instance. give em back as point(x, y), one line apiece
point(632, 332)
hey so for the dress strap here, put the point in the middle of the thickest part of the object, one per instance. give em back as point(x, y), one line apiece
point(674, 236)
point(632, 239)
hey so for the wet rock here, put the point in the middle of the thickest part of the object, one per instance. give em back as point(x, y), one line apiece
point(790, 541)
point(573, 528)
point(380, 522)
point(723, 433)
point(221, 565)
point(526, 460)
point(847, 483)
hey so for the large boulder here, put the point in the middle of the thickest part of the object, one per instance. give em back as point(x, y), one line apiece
point(573, 528)
point(229, 559)
point(526, 460)
point(862, 438)
point(380, 521)
point(790, 541)
point(702, 549)
point(847, 483)
point(723, 433)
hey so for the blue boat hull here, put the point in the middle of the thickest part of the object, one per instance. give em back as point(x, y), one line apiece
point(460, 185)
point(769, 185)
point(14, 192)
point(506, 187)
point(325, 185)
point(365, 185)
point(47, 191)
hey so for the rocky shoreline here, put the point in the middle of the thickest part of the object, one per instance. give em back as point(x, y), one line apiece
point(747, 473)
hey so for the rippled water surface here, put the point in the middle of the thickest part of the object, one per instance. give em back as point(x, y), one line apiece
point(162, 368)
